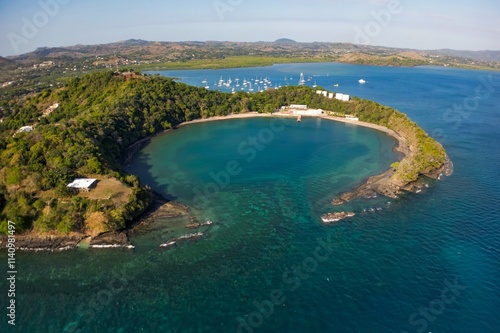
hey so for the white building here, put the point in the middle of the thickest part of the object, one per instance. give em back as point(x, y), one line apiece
point(50, 109)
point(302, 110)
point(330, 95)
point(308, 112)
point(342, 97)
point(322, 92)
point(82, 184)
point(298, 107)
point(352, 118)
point(26, 129)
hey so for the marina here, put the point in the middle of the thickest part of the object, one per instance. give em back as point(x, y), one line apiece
point(326, 76)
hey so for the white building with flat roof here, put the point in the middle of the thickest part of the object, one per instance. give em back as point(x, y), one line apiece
point(342, 97)
point(298, 107)
point(26, 129)
point(351, 118)
point(82, 184)
point(308, 112)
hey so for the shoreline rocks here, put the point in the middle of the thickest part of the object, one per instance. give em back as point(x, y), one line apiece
point(49, 243)
point(160, 209)
point(174, 241)
point(384, 184)
point(111, 239)
point(335, 217)
point(197, 225)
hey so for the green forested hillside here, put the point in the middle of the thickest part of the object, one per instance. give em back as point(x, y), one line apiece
point(101, 114)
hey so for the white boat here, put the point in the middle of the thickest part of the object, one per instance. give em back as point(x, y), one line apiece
point(315, 85)
point(302, 81)
point(361, 81)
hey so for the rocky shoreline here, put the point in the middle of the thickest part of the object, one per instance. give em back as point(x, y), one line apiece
point(161, 208)
point(383, 184)
point(44, 242)
point(36, 242)
point(113, 239)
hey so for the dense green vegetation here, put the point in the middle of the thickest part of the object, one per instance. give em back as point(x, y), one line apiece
point(100, 115)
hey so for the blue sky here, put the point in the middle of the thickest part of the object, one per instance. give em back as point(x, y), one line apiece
point(422, 24)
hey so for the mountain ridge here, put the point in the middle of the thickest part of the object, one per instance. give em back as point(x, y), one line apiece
point(106, 48)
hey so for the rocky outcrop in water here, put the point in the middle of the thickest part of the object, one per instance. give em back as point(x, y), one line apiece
point(112, 239)
point(187, 237)
point(197, 225)
point(335, 217)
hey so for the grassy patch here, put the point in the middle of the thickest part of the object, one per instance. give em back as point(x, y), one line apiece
point(109, 189)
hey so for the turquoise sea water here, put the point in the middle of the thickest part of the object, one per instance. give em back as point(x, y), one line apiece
point(424, 263)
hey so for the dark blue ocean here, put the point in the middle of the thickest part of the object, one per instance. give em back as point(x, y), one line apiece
point(427, 262)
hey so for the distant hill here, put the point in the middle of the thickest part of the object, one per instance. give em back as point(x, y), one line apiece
point(145, 55)
point(5, 61)
point(147, 51)
point(285, 41)
point(475, 55)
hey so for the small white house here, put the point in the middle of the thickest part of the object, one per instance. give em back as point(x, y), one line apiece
point(330, 95)
point(82, 184)
point(26, 129)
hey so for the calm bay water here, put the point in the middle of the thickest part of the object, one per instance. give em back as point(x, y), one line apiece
point(424, 263)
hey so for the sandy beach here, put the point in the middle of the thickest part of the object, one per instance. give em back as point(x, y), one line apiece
point(401, 140)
